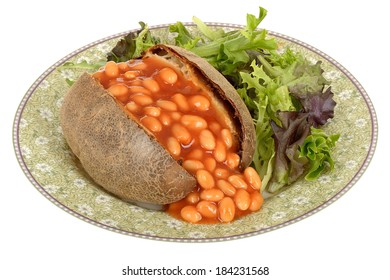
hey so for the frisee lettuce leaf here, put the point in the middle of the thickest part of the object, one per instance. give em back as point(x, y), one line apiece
point(229, 52)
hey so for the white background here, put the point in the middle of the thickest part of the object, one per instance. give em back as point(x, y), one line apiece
point(347, 240)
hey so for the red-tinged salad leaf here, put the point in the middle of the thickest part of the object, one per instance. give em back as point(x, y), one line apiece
point(289, 166)
point(319, 106)
point(133, 44)
point(292, 97)
point(301, 150)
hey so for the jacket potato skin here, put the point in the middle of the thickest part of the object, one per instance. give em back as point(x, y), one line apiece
point(117, 153)
point(227, 93)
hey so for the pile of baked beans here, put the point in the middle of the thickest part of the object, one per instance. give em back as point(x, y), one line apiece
point(180, 114)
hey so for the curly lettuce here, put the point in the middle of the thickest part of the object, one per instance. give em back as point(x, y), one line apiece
point(229, 52)
point(288, 98)
point(317, 149)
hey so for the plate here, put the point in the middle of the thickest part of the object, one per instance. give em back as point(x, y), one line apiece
point(51, 167)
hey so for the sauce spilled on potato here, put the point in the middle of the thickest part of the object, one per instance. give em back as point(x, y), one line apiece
point(179, 112)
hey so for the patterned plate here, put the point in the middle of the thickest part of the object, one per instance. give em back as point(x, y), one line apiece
point(48, 163)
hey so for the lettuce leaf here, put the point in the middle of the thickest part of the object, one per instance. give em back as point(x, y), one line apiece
point(289, 166)
point(317, 148)
point(319, 105)
point(301, 147)
point(229, 52)
point(183, 38)
point(265, 97)
point(287, 96)
point(133, 44)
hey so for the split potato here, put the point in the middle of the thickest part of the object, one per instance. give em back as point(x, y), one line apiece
point(122, 154)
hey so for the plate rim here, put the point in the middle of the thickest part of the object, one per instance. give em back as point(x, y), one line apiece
point(346, 188)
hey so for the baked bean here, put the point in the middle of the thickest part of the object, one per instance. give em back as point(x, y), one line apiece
point(215, 127)
point(111, 69)
point(199, 102)
point(227, 138)
point(256, 201)
point(181, 102)
point(176, 116)
point(220, 151)
point(173, 146)
point(207, 139)
point(123, 67)
point(221, 173)
point(193, 197)
point(151, 123)
point(112, 82)
point(195, 154)
point(135, 83)
point(167, 105)
point(151, 85)
point(210, 163)
point(131, 74)
point(242, 199)
point(252, 177)
point(141, 99)
point(192, 165)
point(226, 187)
point(152, 111)
point(226, 209)
point(232, 160)
point(98, 75)
point(165, 119)
point(212, 194)
point(205, 179)
point(190, 214)
point(193, 122)
point(237, 181)
point(138, 65)
point(118, 90)
point(139, 89)
point(181, 133)
point(132, 107)
point(168, 75)
point(207, 209)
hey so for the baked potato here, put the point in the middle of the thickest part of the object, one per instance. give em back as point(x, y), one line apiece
point(118, 144)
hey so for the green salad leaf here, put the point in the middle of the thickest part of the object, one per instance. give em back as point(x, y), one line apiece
point(317, 148)
point(229, 52)
point(265, 97)
point(287, 96)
